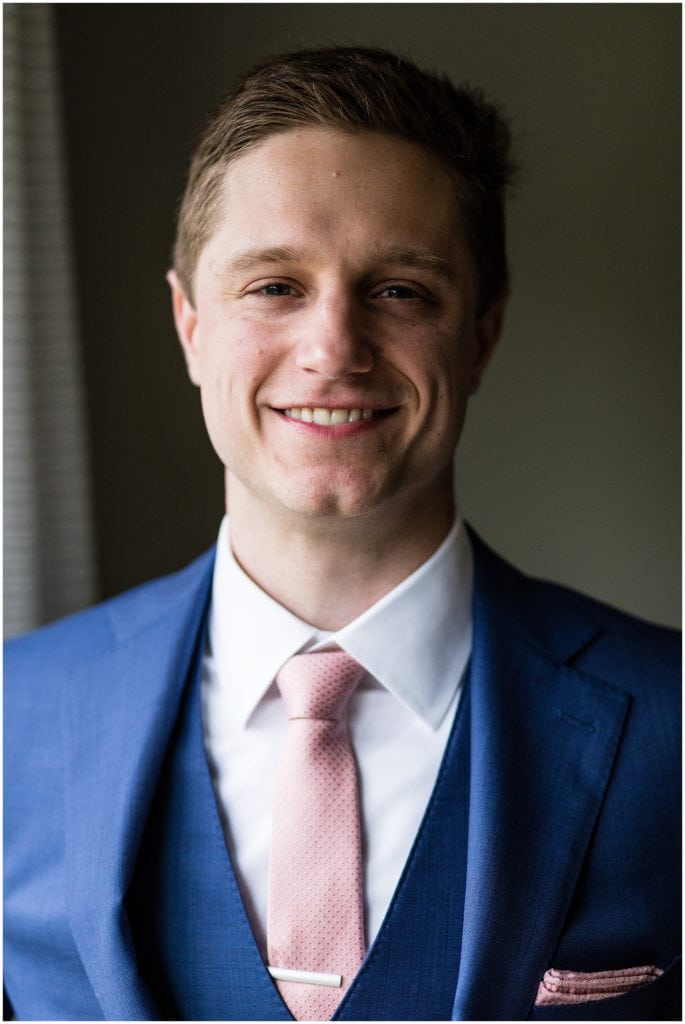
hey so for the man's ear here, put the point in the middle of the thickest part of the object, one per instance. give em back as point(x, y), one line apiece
point(489, 328)
point(187, 326)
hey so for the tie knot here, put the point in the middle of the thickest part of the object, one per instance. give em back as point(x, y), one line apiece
point(318, 685)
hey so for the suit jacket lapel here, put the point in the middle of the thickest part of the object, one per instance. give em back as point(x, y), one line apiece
point(119, 713)
point(543, 740)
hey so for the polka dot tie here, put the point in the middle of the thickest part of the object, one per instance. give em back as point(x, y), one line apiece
point(315, 916)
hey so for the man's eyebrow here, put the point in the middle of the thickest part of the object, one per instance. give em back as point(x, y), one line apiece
point(251, 258)
point(417, 257)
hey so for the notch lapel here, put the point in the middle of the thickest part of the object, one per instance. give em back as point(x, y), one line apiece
point(119, 713)
point(543, 741)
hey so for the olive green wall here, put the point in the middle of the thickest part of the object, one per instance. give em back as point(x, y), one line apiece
point(571, 459)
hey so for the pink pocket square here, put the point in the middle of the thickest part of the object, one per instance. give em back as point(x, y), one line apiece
point(558, 988)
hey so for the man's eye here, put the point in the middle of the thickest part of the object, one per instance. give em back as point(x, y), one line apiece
point(400, 291)
point(277, 289)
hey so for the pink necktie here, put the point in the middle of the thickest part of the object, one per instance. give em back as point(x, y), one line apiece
point(315, 916)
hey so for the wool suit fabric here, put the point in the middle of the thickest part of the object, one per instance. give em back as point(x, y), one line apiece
point(572, 851)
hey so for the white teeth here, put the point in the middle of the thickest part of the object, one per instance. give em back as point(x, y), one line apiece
point(328, 417)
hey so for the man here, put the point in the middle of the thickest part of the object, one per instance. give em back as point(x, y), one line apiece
point(349, 764)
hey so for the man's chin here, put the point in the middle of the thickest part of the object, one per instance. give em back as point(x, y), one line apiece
point(330, 507)
point(327, 496)
point(330, 502)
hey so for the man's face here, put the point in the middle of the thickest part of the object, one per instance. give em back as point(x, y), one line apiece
point(334, 333)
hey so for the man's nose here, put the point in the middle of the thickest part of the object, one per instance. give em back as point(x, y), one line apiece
point(333, 342)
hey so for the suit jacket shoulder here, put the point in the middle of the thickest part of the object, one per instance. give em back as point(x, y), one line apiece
point(579, 629)
point(600, 642)
point(67, 643)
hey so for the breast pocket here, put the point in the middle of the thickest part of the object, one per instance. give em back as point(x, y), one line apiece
point(658, 1000)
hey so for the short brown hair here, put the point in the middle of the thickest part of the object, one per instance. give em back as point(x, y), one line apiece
point(355, 89)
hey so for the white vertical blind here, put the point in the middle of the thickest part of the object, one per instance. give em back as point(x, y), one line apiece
point(48, 537)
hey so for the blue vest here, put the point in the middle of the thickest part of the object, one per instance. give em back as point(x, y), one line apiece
point(194, 944)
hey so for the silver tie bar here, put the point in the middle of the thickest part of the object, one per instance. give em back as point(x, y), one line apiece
point(305, 977)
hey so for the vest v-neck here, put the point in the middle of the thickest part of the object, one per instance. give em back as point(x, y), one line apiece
point(194, 944)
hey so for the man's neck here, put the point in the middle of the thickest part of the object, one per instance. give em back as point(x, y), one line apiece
point(329, 572)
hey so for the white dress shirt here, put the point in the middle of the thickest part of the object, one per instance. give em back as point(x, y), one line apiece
point(414, 644)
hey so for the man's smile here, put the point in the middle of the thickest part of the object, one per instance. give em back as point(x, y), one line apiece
point(328, 417)
point(335, 420)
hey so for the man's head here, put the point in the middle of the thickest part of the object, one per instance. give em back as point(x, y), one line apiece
point(339, 285)
point(359, 90)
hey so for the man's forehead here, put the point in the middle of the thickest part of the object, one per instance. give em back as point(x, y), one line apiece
point(314, 158)
point(389, 203)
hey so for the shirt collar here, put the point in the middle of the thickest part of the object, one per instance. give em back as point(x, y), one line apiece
point(415, 641)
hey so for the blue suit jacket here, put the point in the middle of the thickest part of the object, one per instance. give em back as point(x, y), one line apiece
point(573, 848)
